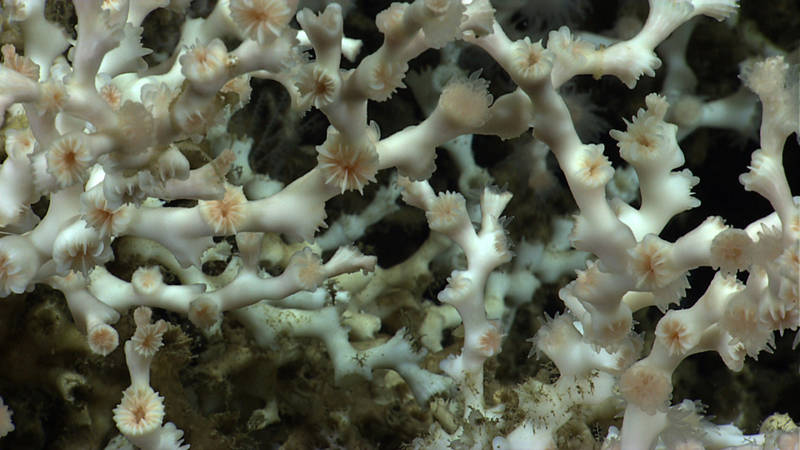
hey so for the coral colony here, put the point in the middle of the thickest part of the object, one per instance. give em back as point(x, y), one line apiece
point(169, 280)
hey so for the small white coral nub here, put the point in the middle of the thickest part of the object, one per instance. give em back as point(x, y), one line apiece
point(53, 96)
point(172, 165)
point(649, 263)
point(478, 18)
point(18, 264)
point(491, 340)
point(19, 143)
point(385, 78)
point(648, 139)
point(112, 95)
point(140, 412)
point(744, 323)
point(765, 171)
point(148, 337)
point(767, 79)
point(225, 216)
point(568, 48)
point(594, 169)
point(345, 164)
point(731, 250)
point(390, 21)
point(205, 62)
point(674, 334)
point(318, 85)
point(147, 280)
point(80, 248)
point(103, 339)
point(441, 21)
point(531, 61)
point(306, 267)
point(555, 335)
point(204, 313)
point(20, 64)
point(447, 212)
point(646, 387)
point(458, 286)
point(465, 102)
point(261, 20)
point(99, 216)
point(68, 160)
point(10, 273)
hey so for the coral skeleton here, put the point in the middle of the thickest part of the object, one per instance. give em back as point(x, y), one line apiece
point(296, 217)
